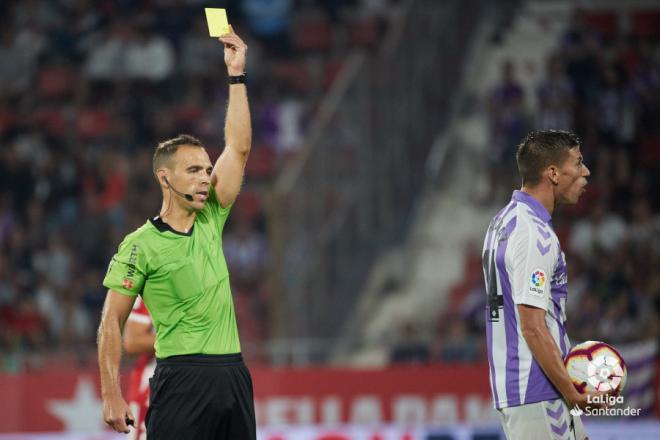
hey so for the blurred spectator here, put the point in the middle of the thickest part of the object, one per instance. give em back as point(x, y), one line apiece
point(148, 55)
point(106, 52)
point(26, 325)
point(604, 231)
point(508, 116)
point(48, 305)
point(77, 331)
point(7, 218)
point(644, 227)
point(8, 292)
point(580, 44)
point(245, 250)
point(270, 20)
point(280, 119)
point(456, 343)
point(615, 108)
point(409, 349)
point(55, 262)
point(556, 98)
point(199, 54)
point(17, 65)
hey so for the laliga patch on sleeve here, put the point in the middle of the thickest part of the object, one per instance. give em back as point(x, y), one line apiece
point(216, 18)
point(537, 282)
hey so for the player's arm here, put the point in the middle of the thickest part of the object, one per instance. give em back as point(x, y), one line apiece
point(227, 175)
point(138, 337)
point(547, 354)
point(116, 309)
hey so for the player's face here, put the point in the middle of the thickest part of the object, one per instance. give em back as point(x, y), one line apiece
point(192, 174)
point(572, 178)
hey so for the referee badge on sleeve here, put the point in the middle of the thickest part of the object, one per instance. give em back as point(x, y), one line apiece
point(537, 282)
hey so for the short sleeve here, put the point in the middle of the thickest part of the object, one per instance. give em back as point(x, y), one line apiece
point(216, 213)
point(531, 263)
point(127, 270)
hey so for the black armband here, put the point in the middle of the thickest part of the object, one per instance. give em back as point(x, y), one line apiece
point(238, 79)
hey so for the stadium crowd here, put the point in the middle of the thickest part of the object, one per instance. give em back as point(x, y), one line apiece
point(88, 88)
point(86, 91)
point(605, 86)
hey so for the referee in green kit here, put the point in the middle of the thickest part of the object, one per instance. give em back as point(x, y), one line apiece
point(201, 389)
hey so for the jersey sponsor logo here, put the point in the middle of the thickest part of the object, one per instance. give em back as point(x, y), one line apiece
point(127, 284)
point(132, 259)
point(561, 279)
point(537, 282)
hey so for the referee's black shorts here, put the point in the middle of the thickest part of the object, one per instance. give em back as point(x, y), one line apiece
point(201, 397)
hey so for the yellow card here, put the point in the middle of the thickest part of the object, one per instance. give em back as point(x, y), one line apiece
point(217, 21)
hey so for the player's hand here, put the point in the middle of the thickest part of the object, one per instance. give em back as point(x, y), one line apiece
point(235, 52)
point(588, 400)
point(117, 414)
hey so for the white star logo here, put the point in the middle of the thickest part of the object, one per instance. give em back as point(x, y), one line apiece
point(83, 412)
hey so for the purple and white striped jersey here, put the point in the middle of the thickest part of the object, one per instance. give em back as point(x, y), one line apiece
point(523, 264)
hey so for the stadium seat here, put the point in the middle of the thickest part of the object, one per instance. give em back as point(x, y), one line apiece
point(651, 150)
point(56, 81)
point(313, 35)
point(606, 22)
point(646, 24)
point(364, 32)
point(93, 123)
point(52, 120)
point(293, 73)
point(330, 72)
point(8, 119)
point(187, 113)
point(248, 205)
point(262, 162)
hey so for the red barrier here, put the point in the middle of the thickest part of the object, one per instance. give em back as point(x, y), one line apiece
point(396, 394)
point(70, 401)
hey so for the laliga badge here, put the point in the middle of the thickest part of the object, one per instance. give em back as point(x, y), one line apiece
point(537, 282)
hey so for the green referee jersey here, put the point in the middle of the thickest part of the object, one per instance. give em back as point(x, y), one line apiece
point(184, 282)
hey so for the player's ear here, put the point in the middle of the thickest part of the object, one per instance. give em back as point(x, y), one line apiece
point(552, 172)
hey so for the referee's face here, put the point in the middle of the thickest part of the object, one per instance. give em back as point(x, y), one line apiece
point(572, 178)
point(191, 174)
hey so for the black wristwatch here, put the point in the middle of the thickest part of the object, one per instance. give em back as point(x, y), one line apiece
point(238, 79)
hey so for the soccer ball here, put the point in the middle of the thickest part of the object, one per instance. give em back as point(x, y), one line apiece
point(596, 366)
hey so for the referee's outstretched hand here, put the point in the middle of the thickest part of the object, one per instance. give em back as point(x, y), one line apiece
point(235, 52)
point(117, 414)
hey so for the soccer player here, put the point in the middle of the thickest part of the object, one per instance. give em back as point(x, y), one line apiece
point(139, 339)
point(201, 388)
point(526, 284)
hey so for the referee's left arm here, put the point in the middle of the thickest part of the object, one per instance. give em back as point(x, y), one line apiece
point(227, 175)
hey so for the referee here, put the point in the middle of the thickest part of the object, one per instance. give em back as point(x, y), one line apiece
point(201, 389)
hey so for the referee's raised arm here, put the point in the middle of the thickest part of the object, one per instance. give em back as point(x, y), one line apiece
point(227, 174)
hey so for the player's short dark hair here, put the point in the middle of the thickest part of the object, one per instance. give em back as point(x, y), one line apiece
point(166, 149)
point(543, 148)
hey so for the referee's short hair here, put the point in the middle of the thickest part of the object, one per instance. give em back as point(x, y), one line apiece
point(543, 148)
point(166, 149)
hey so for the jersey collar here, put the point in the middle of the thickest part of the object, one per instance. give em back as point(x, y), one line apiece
point(535, 205)
point(164, 227)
